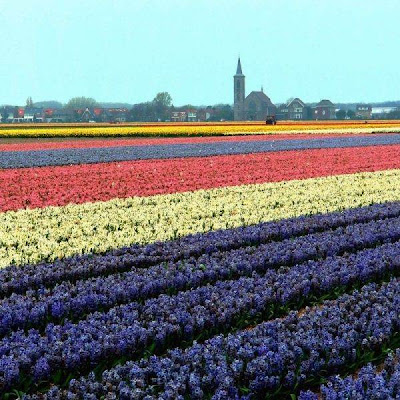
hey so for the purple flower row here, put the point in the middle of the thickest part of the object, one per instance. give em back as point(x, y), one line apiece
point(127, 331)
point(74, 300)
point(274, 357)
point(40, 158)
point(369, 383)
point(19, 279)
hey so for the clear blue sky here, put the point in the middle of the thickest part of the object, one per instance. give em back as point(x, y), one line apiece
point(117, 50)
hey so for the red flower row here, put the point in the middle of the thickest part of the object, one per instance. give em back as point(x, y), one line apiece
point(112, 142)
point(40, 187)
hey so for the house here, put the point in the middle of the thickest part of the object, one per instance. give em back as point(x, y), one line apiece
point(60, 115)
point(282, 112)
point(191, 115)
point(117, 114)
point(8, 112)
point(184, 115)
point(324, 110)
point(206, 114)
point(98, 114)
point(48, 114)
point(364, 111)
point(33, 114)
point(178, 116)
point(19, 112)
point(85, 115)
point(28, 114)
point(17, 116)
point(296, 109)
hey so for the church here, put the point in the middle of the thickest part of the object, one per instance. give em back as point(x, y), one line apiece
point(257, 106)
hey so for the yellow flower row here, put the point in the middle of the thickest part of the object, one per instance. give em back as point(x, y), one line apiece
point(323, 130)
point(182, 130)
point(30, 236)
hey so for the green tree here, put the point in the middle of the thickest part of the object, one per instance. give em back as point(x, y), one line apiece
point(29, 102)
point(143, 112)
point(162, 104)
point(220, 112)
point(4, 114)
point(351, 114)
point(163, 98)
point(341, 114)
point(224, 112)
point(48, 104)
point(395, 114)
point(80, 102)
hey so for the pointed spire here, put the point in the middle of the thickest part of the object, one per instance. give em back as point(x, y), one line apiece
point(262, 88)
point(239, 68)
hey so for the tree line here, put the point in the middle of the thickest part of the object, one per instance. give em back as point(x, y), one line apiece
point(158, 109)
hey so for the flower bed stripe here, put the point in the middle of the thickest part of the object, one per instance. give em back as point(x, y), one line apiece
point(275, 349)
point(74, 300)
point(262, 359)
point(41, 158)
point(193, 129)
point(187, 249)
point(370, 383)
point(31, 236)
point(79, 144)
point(58, 186)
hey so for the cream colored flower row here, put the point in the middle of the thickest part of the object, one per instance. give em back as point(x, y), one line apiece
point(177, 130)
point(356, 130)
point(30, 236)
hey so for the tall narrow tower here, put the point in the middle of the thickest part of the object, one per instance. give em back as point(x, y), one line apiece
point(239, 93)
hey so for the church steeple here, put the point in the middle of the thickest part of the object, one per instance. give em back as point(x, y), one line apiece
point(239, 68)
point(238, 93)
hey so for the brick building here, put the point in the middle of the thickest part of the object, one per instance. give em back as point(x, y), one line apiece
point(324, 110)
point(257, 106)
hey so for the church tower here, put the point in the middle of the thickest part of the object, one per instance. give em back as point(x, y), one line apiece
point(239, 93)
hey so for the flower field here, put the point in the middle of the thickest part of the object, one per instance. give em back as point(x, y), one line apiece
point(196, 129)
point(232, 267)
